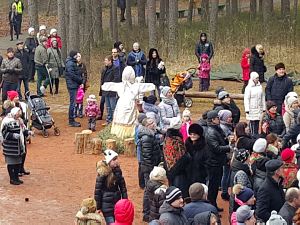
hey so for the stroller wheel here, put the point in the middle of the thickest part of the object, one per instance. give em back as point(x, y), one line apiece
point(188, 102)
point(56, 131)
point(45, 133)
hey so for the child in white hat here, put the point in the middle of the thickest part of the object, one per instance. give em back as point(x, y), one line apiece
point(91, 111)
point(186, 122)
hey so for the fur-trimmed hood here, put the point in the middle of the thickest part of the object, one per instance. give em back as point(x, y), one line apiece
point(103, 169)
point(145, 131)
point(90, 216)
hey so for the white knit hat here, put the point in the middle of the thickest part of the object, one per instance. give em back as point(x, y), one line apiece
point(276, 219)
point(53, 30)
point(158, 174)
point(42, 27)
point(14, 111)
point(30, 29)
point(91, 98)
point(175, 123)
point(109, 155)
point(186, 113)
point(260, 145)
point(291, 100)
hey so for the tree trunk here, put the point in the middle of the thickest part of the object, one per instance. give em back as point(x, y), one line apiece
point(62, 27)
point(88, 32)
point(33, 14)
point(111, 24)
point(228, 9)
point(191, 10)
point(67, 22)
point(213, 17)
point(74, 38)
point(267, 15)
point(162, 15)
point(128, 15)
point(48, 7)
point(98, 28)
point(81, 23)
point(272, 6)
point(115, 20)
point(260, 6)
point(234, 7)
point(285, 9)
point(152, 23)
point(253, 5)
point(141, 5)
point(295, 9)
point(173, 23)
point(205, 10)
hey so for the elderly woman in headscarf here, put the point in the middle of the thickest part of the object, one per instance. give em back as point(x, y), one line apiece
point(14, 133)
point(126, 112)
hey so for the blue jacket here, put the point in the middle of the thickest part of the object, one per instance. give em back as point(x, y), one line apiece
point(137, 60)
point(73, 74)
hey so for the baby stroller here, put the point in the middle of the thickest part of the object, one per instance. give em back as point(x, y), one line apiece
point(180, 83)
point(40, 117)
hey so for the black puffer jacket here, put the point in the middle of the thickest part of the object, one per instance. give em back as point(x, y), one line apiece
point(275, 125)
point(291, 136)
point(245, 142)
point(73, 74)
point(150, 149)
point(31, 44)
point(278, 87)
point(153, 73)
point(259, 173)
point(217, 146)
point(237, 166)
point(232, 107)
point(202, 218)
point(156, 195)
point(199, 153)
point(23, 55)
point(110, 188)
point(109, 74)
point(257, 63)
point(203, 124)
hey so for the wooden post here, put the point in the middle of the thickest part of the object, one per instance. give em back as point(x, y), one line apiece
point(111, 144)
point(130, 148)
point(96, 146)
point(79, 143)
point(87, 139)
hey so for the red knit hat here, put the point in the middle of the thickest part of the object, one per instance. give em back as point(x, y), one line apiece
point(12, 94)
point(287, 155)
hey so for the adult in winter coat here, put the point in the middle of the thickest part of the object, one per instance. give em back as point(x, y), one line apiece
point(254, 102)
point(73, 80)
point(122, 5)
point(204, 47)
point(243, 137)
point(291, 136)
point(10, 70)
point(226, 125)
point(270, 195)
point(272, 121)
point(290, 168)
point(279, 86)
point(18, 4)
point(177, 159)
point(197, 147)
point(53, 34)
point(257, 63)
point(124, 212)
point(291, 205)
point(13, 22)
point(154, 69)
point(206, 218)
point(245, 65)
point(150, 109)
point(137, 59)
point(110, 185)
point(218, 146)
point(42, 33)
point(171, 211)
point(292, 104)
point(121, 51)
point(84, 74)
point(23, 55)
point(156, 192)
point(30, 45)
point(118, 62)
point(169, 109)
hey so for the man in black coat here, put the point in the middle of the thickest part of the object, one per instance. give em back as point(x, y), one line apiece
point(292, 203)
point(278, 86)
point(270, 195)
point(218, 146)
point(257, 63)
point(204, 46)
point(23, 55)
point(290, 137)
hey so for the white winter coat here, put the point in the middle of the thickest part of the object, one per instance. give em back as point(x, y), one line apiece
point(254, 99)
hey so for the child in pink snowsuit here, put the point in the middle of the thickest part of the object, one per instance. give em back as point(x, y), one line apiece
point(91, 111)
point(186, 122)
point(204, 73)
point(79, 102)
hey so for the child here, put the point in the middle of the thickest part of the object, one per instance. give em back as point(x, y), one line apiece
point(245, 64)
point(204, 73)
point(186, 122)
point(87, 213)
point(91, 111)
point(79, 102)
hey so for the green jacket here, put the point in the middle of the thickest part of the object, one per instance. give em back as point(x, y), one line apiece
point(41, 56)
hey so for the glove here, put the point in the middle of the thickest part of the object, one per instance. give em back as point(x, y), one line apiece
point(16, 136)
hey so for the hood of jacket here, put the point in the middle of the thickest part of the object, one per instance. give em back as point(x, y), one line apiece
point(167, 208)
point(253, 76)
point(145, 131)
point(246, 52)
point(152, 185)
point(103, 169)
point(124, 212)
point(202, 218)
point(260, 163)
point(147, 107)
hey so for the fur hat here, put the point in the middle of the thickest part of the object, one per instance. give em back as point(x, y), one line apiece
point(175, 123)
point(196, 191)
point(53, 30)
point(260, 145)
point(241, 155)
point(11, 95)
point(186, 113)
point(91, 98)
point(287, 155)
point(258, 47)
point(224, 114)
point(158, 174)
point(279, 66)
point(109, 155)
point(30, 29)
point(42, 27)
point(195, 128)
point(172, 194)
point(275, 219)
point(222, 95)
point(164, 90)
point(88, 205)
point(270, 104)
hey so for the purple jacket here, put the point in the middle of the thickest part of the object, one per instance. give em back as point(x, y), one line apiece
point(92, 109)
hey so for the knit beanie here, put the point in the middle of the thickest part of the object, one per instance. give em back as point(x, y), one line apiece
point(186, 113)
point(164, 90)
point(287, 155)
point(195, 128)
point(53, 30)
point(245, 194)
point(109, 155)
point(279, 66)
point(260, 145)
point(124, 211)
point(158, 174)
point(175, 123)
point(276, 219)
point(151, 99)
point(14, 111)
point(42, 27)
point(270, 104)
point(72, 53)
point(222, 95)
point(141, 117)
point(241, 155)
point(196, 191)
point(172, 194)
point(291, 100)
point(30, 29)
point(12, 95)
point(224, 114)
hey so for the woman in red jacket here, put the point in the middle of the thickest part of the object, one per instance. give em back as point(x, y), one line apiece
point(245, 64)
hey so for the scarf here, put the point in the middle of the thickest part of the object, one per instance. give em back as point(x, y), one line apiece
point(169, 101)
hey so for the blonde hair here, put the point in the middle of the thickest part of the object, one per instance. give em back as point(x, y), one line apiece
point(237, 189)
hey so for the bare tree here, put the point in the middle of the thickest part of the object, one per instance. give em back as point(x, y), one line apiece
point(88, 32)
point(234, 7)
point(285, 9)
point(213, 17)
point(33, 14)
point(205, 10)
point(74, 40)
point(62, 26)
point(267, 15)
point(173, 23)
point(260, 6)
point(253, 6)
point(191, 10)
point(48, 7)
point(152, 23)
point(228, 8)
point(295, 10)
point(141, 5)
point(97, 15)
point(67, 21)
point(128, 15)
point(115, 20)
